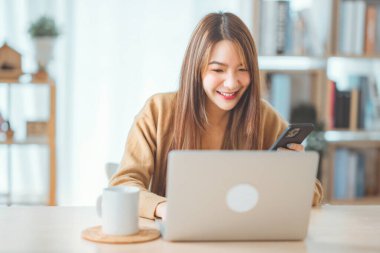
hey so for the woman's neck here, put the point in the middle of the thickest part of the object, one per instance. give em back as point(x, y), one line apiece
point(217, 118)
point(213, 137)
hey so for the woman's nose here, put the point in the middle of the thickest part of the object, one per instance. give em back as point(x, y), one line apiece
point(231, 81)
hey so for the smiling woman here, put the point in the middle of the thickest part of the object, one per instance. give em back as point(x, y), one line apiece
point(217, 106)
point(222, 58)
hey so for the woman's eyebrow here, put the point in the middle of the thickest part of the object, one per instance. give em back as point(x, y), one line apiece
point(219, 63)
point(223, 64)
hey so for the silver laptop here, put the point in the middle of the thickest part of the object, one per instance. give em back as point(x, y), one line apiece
point(239, 195)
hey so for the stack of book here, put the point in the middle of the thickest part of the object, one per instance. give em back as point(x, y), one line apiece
point(356, 174)
point(359, 27)
point(277, 28)
point(355, 108)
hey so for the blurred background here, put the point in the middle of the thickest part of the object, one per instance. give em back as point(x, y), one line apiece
point(75, 73)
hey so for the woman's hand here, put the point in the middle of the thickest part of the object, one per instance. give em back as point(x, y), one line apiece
point(161, 210)
point(293, 147)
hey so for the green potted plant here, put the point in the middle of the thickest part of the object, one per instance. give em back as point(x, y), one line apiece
point(44, 32)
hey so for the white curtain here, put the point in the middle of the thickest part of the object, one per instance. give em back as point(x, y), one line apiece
point(111, 56)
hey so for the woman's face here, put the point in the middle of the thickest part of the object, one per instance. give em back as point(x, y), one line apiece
point(226, 78)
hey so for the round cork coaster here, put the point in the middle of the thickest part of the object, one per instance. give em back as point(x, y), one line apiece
point(95, 234)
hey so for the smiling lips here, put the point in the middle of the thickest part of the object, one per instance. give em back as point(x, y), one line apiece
point(228, 95)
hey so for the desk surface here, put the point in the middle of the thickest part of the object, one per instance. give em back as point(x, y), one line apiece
point(57, 229)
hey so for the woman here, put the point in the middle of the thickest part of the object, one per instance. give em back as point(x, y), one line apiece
point(217, 106)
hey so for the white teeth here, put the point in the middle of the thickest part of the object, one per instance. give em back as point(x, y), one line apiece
point(227, 94)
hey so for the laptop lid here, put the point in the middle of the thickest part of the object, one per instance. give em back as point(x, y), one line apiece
point(239, 195)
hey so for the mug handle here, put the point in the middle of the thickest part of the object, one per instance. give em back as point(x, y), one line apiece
point(99, 206)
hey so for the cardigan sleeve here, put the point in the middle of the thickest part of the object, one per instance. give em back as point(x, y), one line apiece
point(138, 161)
point(272, 125)
point(318, 193)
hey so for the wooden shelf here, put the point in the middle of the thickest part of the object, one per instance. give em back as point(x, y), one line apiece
point(352, 56)
point(291, 63)
point(353, 139)
point(27, 141)
point(373, 200)
point(351, 136)
point(25, 79)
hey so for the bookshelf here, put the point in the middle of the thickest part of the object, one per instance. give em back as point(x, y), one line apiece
point(352, 168)
point(356, 178)
point(26, 137)
point(339, 67)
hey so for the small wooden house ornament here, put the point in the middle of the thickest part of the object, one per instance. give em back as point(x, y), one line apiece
point(10, 62)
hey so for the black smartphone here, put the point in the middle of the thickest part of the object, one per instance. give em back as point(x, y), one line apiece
point(295, 133)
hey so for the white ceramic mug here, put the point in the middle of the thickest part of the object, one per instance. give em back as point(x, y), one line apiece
point(118, 209)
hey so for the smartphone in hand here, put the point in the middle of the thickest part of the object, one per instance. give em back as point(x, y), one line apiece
point(295, 133)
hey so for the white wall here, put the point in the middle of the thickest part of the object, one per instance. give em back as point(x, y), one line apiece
point(111, 57)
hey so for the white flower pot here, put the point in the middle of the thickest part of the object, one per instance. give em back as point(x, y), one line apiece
point(44, 49)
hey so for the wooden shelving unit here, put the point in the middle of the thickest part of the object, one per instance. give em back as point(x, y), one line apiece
point(48, 140)
point(351, 138)
point(317, 67)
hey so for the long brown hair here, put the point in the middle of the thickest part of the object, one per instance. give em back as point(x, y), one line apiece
point(190, 117)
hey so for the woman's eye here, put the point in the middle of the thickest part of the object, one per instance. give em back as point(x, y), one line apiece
point(243, 69)
point(217, 70)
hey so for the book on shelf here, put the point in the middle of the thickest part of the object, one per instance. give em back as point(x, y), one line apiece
point(357, 107)
point(369, 112)
point(359, 22)
point(283, 18)
point(340, 108)
point(268, 28)
point(378, 29)
point(281, 94)
point(331, 87)
point(352, 175)
point(356, 174)
point(275, 29)
point(285, 31)
point(364, 103)
point(372, 173)
point(354, 109)
point(360, 175)
point(370, 29)
point(359, 27)
point(347, 27)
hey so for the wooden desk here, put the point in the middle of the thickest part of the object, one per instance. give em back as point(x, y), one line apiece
point(57, 229)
